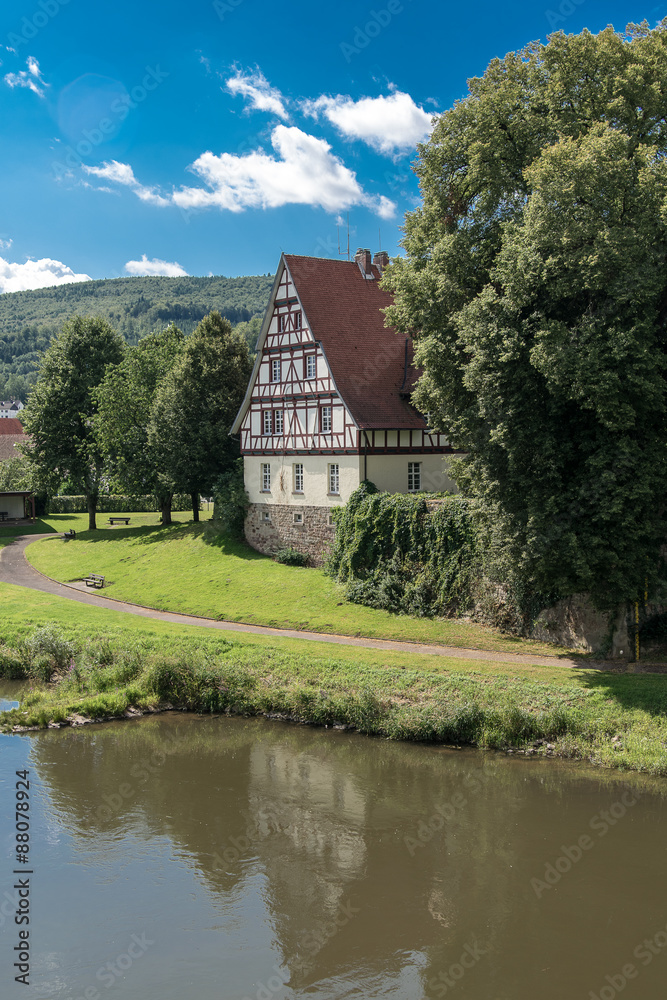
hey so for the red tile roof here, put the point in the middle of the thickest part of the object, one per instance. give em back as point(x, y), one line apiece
point(7, 442)
point(367, 359)
point(8, 425)
point(11, 433)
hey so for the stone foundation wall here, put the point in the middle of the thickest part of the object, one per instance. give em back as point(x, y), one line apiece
point(313, 536)
point(575, 623)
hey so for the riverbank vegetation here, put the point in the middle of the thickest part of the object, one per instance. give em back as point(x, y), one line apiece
point(103, 664)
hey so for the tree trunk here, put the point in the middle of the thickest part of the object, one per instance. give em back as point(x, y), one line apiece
point(91, 499)
point(165, 507)
point(195, 506)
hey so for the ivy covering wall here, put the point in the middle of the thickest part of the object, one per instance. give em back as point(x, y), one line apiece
point(405, 553)
point(426, 554)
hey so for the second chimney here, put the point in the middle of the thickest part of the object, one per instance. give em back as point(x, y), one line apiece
point(381, 260)
point(363, 259)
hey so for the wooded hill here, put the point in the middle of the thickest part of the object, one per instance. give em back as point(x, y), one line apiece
point(133, 306)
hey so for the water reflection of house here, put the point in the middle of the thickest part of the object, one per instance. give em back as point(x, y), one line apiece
point(311, 829)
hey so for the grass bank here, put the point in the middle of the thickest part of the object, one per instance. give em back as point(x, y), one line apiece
point(194, 569)
point(103, 666)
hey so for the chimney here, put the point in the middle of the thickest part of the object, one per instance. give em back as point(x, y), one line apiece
point(381, 260)
point(363, 259)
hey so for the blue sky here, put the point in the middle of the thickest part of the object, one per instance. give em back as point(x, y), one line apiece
point(205, 137)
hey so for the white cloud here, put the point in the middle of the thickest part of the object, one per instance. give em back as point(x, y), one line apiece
point(30, 78)
point(5, 244)
point(122, 173)
point(155, 266)
point(388, 124)
point(303, 172)
point(36, 274)
point(258, 90)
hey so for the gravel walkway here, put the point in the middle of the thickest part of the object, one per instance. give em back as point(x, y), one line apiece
point(14, 568)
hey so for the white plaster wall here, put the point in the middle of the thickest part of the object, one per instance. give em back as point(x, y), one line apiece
point(315, 476)
point(13, 505)
point(390, 472)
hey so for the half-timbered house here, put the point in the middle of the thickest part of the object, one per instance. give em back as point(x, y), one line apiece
point(328, 404)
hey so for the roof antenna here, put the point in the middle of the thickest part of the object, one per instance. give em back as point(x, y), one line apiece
point(348, 238)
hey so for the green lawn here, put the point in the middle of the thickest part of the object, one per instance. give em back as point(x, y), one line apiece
point(193, 569)
point(119, 661)
point(22, 611)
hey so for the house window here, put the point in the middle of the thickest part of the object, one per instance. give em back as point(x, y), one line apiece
point(277, 421)
point(414, 476)
point(266, 516)
point(266, 421)
point(334, 479)
point(311, 366)
point(297, 319)
point(275, 370)
point(266, 477)
point(298, 477)
point(325, 420)
point(331, 522)
point(282, 322)
point(298, 518)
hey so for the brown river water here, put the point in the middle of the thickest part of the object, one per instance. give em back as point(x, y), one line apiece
point(179, 856)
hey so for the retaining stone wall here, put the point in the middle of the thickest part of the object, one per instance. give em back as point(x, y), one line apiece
point(313, 536)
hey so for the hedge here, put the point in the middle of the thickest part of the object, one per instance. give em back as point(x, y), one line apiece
point(116, 504)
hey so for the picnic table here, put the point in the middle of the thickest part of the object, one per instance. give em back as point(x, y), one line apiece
point(94, 580)
point(112, 520)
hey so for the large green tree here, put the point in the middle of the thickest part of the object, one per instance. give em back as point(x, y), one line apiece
point(124, 400)
point(535, 286)
point(195, 406)
point(61, 409)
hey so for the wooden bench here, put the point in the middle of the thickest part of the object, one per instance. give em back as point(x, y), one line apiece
point(94, 580)
point(112, 520)
point(69, 534)
point(4, 515)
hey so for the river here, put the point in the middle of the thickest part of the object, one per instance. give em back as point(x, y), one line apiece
point(179, 856)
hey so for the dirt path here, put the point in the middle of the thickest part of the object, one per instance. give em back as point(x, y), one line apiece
point(14, 568)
